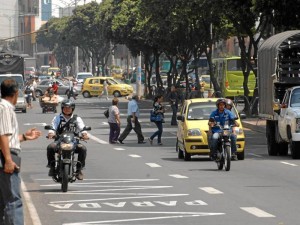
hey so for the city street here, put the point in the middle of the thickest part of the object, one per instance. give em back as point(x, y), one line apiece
point(143, 184)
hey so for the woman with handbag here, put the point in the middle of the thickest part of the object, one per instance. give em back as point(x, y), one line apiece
point(158, 110)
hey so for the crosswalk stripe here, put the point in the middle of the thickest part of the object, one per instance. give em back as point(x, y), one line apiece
point(178, 176)
point(257, 212)
point(211, 190)
point(154, 165)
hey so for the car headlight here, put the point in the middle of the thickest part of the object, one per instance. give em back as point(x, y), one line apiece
point(194, 132)
point(66, 146)
point(238, 130)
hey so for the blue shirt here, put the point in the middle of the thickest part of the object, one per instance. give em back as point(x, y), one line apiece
point(133, 108)
point(221, 118)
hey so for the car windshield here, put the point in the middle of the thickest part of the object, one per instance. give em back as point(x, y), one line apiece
point(83, 76)
point(202, 110)
point(295, 99)
point(111, 81)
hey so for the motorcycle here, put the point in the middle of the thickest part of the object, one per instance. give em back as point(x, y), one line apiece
point(65, 163)
point(224, 146)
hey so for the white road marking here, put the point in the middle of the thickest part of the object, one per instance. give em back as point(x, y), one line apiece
point(32, 210)
point(177, 176)
point(135, 156)
point(211, 190)
point(259, 156)
point(290, 164)
point(120, 149)
point(154, 165)
point(105, 123)
point(257, 212)
point(35, 124)
point(97, 139)
point(134, 196)
point(148, 218)
point(173, 133)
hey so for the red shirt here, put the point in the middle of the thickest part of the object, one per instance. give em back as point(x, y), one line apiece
point(55, 88)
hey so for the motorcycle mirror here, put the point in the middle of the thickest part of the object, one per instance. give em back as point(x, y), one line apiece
point(87, 128)
point(48, 127)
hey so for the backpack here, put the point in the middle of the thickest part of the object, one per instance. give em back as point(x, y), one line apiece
point(28, 89)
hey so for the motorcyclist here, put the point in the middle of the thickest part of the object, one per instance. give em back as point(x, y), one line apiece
point(67, 121)
point(220, 116)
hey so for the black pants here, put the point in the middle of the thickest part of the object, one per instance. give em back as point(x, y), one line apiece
point(137, 129)
point(80, 149)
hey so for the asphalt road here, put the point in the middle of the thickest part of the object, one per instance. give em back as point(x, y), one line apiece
point(143, 184)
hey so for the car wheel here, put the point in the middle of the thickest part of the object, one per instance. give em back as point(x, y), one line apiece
point(24, 110)
point(117, 94)
point(86, 94)
point(38, 93)
point(186, 156)
point(178, 150)
point(241, 155)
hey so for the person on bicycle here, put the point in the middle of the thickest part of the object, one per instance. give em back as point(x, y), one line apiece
point(220, 116)
point(67, 121)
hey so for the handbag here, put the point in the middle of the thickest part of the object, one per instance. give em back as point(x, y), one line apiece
point(152, 116)
point(156, 117)
point(106, 113)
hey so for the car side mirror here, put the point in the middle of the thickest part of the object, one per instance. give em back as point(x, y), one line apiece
point(180, 117)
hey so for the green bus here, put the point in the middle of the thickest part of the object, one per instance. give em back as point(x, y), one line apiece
point(230, 77)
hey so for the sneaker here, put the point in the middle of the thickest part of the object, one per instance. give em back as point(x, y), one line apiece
point(120, 141)
point(234, 157)
point(51, 172)
point(160, 143)
point(142, 142)
point(79, 175)
point(150, 140)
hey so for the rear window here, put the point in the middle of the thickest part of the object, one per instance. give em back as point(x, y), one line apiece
point(84, 76)
point(19, 79)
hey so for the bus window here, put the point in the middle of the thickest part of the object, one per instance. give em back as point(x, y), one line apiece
point(234, 65)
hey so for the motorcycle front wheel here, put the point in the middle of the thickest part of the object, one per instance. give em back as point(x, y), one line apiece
point(227, 158)
point(65, 178)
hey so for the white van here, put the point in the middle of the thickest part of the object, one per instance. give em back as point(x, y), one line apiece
point(16, 77)
point(80, 77)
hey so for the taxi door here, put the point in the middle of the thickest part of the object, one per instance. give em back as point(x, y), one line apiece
point(95, 87)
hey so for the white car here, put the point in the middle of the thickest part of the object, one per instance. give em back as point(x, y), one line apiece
point(80, 77)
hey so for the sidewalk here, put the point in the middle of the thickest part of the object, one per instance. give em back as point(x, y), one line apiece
point(255, 124)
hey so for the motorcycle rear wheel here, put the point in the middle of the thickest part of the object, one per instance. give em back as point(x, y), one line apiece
point(227, 158)
point(65, 178)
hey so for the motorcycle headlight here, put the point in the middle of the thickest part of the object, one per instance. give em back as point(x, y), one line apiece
point(238, 130)
point(194, 132)
point(226, 132)
point(66, 146)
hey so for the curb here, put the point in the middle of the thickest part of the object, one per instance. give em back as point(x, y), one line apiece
point(257, 128)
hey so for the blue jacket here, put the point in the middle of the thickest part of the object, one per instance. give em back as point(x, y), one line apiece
point(221, 118)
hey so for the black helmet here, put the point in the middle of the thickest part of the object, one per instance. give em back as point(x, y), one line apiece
point(67, 103)
point(220, 100)
point(229, 102)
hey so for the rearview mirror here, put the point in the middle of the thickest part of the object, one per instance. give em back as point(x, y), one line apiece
point(181, 118)
point(242, 116)
point(87, 128)
point(48, 127)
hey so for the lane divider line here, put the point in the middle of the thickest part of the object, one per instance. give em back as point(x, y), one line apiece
point(290, 164)
point(257, 212)
point(135, 156)
point(120, 149)
point(153, 165)
point(211, 190)
point(178, 176)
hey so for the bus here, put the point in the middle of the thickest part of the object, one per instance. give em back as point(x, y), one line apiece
point(230, 77)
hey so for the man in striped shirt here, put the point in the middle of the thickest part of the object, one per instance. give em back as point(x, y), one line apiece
point(11, 208)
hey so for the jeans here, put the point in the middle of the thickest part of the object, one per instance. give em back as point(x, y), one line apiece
point(158, 133)
point(114, 132)
point(11, 207)
point(214, 139)
point(80, 149)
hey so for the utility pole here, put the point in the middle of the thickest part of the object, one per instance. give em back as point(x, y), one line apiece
point(76, 53)
point(139, 75)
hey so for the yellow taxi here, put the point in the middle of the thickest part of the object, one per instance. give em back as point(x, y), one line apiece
point(193, 129)
point(93, 86)
point(54, 70)
point(117, 73)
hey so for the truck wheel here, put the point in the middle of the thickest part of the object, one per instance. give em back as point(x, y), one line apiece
point(271, 141)
point(283, 148)
point(295, 149)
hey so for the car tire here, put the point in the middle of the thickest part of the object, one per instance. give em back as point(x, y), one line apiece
point(117, 94)
point(186, 156)
point(24, 110)
point(86, 94)
point(295, 149)
point(241, 155)
point(178, 150)
point(283, 148)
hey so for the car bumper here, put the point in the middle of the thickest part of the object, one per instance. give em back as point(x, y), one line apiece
point(199, 146)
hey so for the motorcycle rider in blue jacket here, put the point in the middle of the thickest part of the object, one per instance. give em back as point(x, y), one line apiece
point(221, 116)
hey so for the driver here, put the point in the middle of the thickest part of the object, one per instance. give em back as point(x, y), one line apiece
point(67, 121)
point(220, 116)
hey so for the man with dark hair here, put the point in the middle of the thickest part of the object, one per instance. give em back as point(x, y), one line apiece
point(11, 207)
point(114, 121)
point(133, 113)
